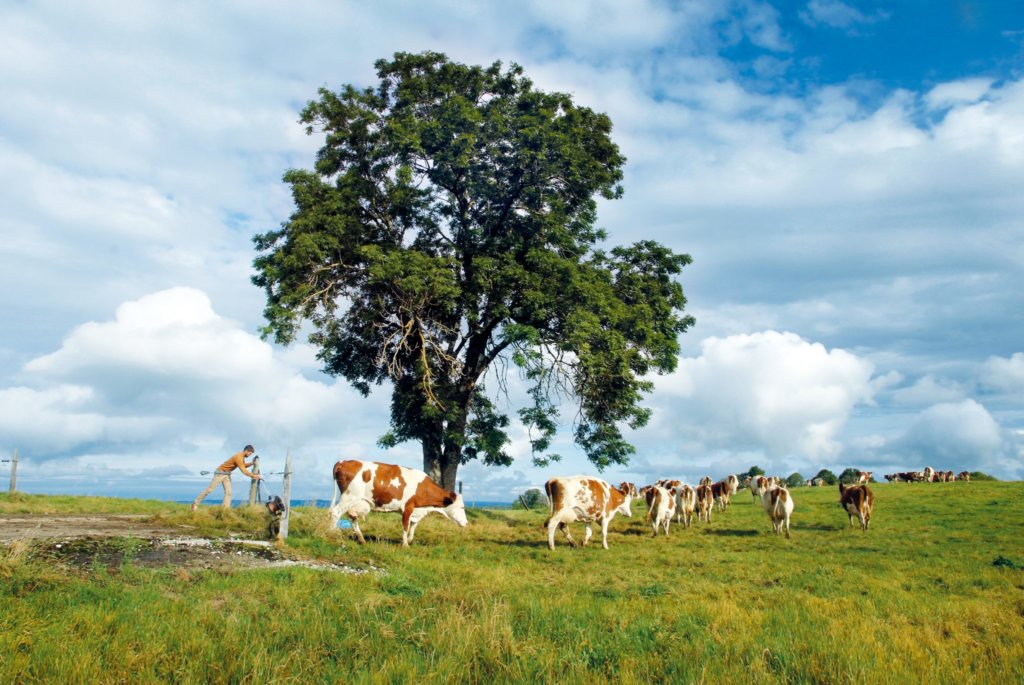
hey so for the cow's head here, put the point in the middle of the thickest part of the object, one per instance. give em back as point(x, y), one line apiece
point(455, 508)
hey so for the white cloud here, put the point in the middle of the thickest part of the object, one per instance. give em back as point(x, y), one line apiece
point(929, 390)
point(168, 370)
point(956, 436)
point(965, 92)
point(837, 14)
point(772, 391)
point(1006, 374)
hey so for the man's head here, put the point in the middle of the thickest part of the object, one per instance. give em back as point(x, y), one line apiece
point(249, 449)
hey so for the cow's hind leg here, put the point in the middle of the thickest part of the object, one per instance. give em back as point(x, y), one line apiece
point(589, 533)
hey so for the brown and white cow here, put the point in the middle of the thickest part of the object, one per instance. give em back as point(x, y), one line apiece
point(964, 476)
point(706, 480)
point(929, 474)
point(864, 477)
point(734, 484)
point(857, 500)
point(582, 498)
point(722, 494)
point(778, 504)
point(705, 502)
point(367, 486)
point(661, 505)
point(686, 502)
point(758, 485)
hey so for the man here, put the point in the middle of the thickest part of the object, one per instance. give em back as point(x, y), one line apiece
point(222, 476)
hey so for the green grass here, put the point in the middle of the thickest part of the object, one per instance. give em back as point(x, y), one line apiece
point(921, 597)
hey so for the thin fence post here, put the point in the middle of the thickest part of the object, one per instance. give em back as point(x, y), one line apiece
point(283, 533)
point(255, 483)
point(14, 471)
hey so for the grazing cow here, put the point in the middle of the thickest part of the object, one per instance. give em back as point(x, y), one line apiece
point(734, 485)
point(626, 486)
point(705, 503)
point(582, 498)
point(818, 482)
point(661, 505)
point(367, 486)
point(964, 476)
point(864, 477)
point(928, 474)
point(890, 477)
point(857, 500)
point(706, 480)
point(757, 485)
point(950, 476)
point(778, 504)
point(686, 502)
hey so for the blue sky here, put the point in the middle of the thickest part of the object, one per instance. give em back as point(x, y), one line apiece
point(846, 176)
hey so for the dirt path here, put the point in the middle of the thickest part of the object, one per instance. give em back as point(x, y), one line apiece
point(111, 540)
point(36, 526)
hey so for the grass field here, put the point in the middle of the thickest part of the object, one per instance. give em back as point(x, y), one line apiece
point(933, 593)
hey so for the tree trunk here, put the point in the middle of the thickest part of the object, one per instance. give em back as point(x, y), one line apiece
point(442, 465)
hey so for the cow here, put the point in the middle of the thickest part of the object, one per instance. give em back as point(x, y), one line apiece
point(950, 476)
point(705, 503)
point(661, 505)
point(757, 485)
point(722, 494)
point(778, 504)
point(582, 498)
point(626, 486)
point(706, 480)
point(734, 484)
point(890, 477)
point(857, 500)
point(964, 476)
point(366, 486)
point(686, 502)
point(928, 474)
point(864, 477)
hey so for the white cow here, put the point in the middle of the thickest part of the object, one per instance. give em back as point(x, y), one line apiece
point(778, 504)
point(582, 498)
point(661, 505)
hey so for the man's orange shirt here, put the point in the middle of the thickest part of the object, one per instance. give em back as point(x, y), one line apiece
point(237, 462)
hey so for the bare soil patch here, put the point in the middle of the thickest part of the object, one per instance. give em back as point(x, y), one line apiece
point(40, 526)
point(112, 540)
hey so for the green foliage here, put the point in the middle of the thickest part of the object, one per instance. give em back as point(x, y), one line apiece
point(979, 475)
point(753, 472)
point(448, 225)
point(533, 499)
point(795, 480)
point(827, 476)
point(849, 475)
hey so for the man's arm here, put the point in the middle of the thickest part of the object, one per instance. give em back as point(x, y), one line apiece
point(240, 461)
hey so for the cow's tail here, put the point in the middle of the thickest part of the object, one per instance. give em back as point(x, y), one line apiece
point(780, 503)
point(336, 477)
point(549, 491)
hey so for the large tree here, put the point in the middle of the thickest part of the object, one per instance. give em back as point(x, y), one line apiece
point(449, 228)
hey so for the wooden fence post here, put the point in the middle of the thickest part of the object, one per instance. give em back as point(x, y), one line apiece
point(255, 483)
point(14, 471)
point(283, 533)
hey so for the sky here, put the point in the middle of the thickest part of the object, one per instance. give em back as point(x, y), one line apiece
point(847, 176)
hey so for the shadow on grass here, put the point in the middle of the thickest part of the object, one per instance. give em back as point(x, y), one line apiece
point(727, 532)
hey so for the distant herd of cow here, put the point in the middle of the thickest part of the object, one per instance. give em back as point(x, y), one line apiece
point(929, 475)
point(365, 486)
